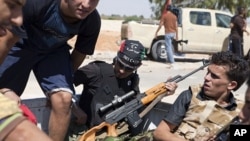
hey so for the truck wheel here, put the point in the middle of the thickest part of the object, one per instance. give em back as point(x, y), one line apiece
point(158, 51)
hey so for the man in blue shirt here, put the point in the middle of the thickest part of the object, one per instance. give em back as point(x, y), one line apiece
point(47, 26)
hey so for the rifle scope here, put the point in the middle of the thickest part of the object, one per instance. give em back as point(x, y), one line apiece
point(117, 100)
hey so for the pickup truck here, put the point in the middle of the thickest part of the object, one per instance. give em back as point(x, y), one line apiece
point(202, 31)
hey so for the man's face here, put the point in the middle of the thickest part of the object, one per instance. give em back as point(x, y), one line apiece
point(121, 71)
point(245, 112)
point(10, 14)
point(216, 82)
point(80, 9)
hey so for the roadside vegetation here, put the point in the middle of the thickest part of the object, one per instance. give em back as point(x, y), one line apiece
point(225, 5)
point(157, 7)
point(123, 17)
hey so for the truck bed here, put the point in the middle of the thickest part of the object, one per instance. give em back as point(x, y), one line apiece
point(41, 108)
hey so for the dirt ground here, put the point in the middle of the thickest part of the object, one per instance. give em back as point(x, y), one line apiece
point(107, 41)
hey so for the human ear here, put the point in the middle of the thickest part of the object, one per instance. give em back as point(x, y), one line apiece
point(232, 85)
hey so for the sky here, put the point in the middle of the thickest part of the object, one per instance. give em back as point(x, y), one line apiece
point(125, 7)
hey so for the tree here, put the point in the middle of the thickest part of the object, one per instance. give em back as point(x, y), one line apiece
point(157, 7)
point(230, 5)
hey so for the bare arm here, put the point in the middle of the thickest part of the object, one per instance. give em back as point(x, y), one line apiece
point(158, 29)
point(77, 59)
point(163, 132)
point(6, 42)
point(27, 131)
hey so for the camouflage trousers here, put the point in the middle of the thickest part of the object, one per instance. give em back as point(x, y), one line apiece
point(146, 136)
point(76, 131)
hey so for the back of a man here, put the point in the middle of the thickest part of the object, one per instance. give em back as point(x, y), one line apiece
point(169, 19)
point(238, 27)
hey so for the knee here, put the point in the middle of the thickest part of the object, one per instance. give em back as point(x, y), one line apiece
point(61, 99)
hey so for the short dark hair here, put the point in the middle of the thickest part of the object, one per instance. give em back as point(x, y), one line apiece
point(241, 9)
point(169, 8)
point(238, 67)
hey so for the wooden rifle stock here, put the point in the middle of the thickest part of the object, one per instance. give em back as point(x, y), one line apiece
point(90, 135)
point(152, 96)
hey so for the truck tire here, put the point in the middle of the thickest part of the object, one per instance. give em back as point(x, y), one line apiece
point(158, 50)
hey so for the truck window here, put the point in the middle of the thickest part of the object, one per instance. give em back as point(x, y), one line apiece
point(200, 18)
point(222, 20)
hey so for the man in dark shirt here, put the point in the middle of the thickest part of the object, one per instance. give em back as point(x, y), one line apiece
point(48, 25)
point(103, 81)
point(197, 112)
point(238, 27)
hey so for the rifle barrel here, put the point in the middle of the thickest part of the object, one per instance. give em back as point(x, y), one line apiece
point(192, 72)
point(116, 101)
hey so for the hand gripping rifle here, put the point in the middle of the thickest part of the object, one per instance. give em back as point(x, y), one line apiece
point(176, 42)
point(128, 111)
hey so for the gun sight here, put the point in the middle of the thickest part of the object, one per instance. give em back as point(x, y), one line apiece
point(117, 101)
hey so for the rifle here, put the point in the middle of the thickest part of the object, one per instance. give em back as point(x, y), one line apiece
point(176, 42)
point(128, 111)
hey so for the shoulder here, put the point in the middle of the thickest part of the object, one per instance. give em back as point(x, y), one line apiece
point(99, 63)
point(100, 66)
point(90, 26)
point(33, 9)
point(38, 5)
point(237, 18)
point(94, 17)
point(186, 95)
point(92, 67)
point(184, 98)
